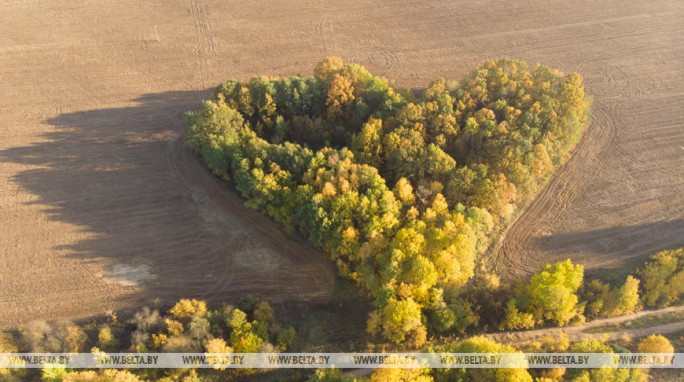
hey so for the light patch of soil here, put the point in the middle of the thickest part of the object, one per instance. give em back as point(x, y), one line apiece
point(127, 275)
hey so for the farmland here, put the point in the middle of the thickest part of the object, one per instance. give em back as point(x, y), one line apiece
point(102, 207)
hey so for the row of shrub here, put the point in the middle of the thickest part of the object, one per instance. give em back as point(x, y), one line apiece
point(188, 327)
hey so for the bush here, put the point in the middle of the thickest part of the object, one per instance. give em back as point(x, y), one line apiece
point(61, 337)
point(662, 278)
point(602, 301)
point(187, 309)
point(106, 338)
point(655, 343)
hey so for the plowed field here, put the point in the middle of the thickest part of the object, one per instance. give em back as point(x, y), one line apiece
point(102, 207)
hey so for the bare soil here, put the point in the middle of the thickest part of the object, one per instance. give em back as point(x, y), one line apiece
point(103, 208)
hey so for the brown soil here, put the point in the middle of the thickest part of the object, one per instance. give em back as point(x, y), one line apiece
point(101, 206)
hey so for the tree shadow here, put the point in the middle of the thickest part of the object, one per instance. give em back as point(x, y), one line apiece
point(613, 253)
point(125, 178)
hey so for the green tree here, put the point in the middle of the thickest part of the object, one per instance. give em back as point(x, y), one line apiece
point(602, 301)
point(550, 295)
point(317, 155)
point(403, 149)
point(367, 144)
point(340, 97)
point(213, 132)
point(608, 373)
point(328, 67)
point(187, 309)
point(15, 374)
point(662, 278)
point(398, 321)
point(480, 345)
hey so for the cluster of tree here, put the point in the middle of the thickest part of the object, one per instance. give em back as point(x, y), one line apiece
point(480, 345)
point(549, 296)
point(558, 343)
point(604, 301)
point(658, 284)
point(402, 191)
point(188, 327)
point(606, 373)
point(472, 345)
point(558, 294)
point(662, 279)
point(561, 344)
point(106, 375)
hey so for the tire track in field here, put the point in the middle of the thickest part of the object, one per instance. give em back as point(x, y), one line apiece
point(567, 182)
point(388, 60)
point(326, 32)
point(205, 41)
point(227, 271)
point(305, 272)
point(579, 24)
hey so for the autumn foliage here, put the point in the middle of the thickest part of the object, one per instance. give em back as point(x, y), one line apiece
point(403, 191)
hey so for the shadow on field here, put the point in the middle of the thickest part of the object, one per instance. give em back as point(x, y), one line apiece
point(114, 172)
point(604, 251)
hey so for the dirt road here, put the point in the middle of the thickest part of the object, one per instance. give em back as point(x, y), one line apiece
point(579, 332)
point(101, 209)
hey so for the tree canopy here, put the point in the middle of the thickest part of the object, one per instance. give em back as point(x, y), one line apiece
point(550, 295)
point(403, 191)
point(663, 278)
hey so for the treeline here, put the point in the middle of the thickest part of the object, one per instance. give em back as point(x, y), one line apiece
point(557, 343)
point(403, 191)
point(188, 327)
point(550, 345)
point(558, 294)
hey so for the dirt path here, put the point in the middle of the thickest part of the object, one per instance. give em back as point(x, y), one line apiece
point(577, 333)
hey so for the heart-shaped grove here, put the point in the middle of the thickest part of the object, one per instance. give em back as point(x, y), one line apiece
point(404, 191)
